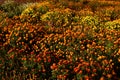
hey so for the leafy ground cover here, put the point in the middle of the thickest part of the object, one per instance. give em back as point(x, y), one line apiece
point(60, 39)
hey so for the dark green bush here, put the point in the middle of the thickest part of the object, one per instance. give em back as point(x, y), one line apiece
point(11, 8)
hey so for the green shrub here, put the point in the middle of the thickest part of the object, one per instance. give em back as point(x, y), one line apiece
point(113, 24)
point(2, 16)
point(10, 7)
point(90, 21)
point(23, 6)
point(13, 8)
point(33, 12)
point(114, 15)
point(58, 18)
point(111, 14)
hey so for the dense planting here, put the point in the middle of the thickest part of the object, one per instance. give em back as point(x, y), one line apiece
point(60, 39)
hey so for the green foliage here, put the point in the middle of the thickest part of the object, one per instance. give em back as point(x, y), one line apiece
point(2, 16)
point(11, 8)
point(90, 21)
point(58, 18)
point(113, 24)
point(34, 12)
point(115, 15)
point(23, 6)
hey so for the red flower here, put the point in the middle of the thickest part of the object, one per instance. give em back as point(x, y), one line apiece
point(32, 52)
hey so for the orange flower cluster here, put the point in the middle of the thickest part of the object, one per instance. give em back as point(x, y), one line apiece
point(61, 46)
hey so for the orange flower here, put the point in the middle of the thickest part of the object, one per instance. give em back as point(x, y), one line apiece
point(118, 59)
point(30, 41)
point(118, 51)
point(113, 72)
point(43, 70)
point(10, 51)
point(54, 66)
point(94, 70)
point(19, 39)
point(93, 43)
point(31, 30)
point(7, 35)
point(38, 59)
point(88, 45)
point(80, 72)
point(88, 70)
point(59, 76)
point(12, 56)
point(24, 59)
point(102, 78)
point(109, 75)
point(64, 77)
point(86, 77)
point(82, 35)
point(76, 69)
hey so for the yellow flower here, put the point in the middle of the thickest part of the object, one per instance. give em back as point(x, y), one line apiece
point(7, 35)
point(71, 53)
point(88, 45)
point(119, 59)
point(119, 51)
point(100, 57)
point(57, 46)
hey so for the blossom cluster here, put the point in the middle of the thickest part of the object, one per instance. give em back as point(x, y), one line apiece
point(56, 42)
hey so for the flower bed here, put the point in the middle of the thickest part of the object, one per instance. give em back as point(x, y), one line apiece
point(60, 44)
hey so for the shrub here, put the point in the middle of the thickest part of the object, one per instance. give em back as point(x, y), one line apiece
point(89, 22)
point(113, 24)
point(23, 6)
point(10, 7)
point(109, 14)
point(115, 15)
point(33, 13)
point(38, 52)
point(2, 16)
point(58, 18)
